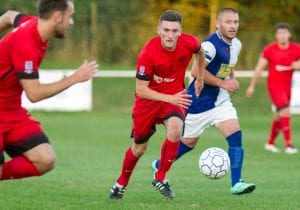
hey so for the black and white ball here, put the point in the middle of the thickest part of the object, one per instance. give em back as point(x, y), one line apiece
point(214, 163)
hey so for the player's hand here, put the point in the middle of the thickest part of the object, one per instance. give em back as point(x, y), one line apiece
point(86, 71)
point(249, 92)
point(198, 85)
point(181, 99)
point(231, 85)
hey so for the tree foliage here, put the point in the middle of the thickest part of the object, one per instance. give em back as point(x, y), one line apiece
point(118, 29)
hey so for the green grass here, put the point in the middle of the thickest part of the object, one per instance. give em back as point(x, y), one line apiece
point(90, 148)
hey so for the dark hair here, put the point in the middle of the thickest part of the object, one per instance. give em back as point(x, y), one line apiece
point(47, 7)
point(170, 15)
point(282, 25)
point(225, 10)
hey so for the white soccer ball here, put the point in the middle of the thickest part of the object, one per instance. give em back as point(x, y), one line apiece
point(214, 163)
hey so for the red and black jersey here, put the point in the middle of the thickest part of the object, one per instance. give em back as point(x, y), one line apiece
point(21, 53)
point(165, 70)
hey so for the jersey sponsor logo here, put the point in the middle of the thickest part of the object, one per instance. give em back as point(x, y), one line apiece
point(161, 80)
point(28, 67)
point(225, 71)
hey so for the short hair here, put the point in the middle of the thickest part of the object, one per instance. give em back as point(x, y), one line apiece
point(170, 15)
point(282, 25)
point(225, 10)
point(47, 7)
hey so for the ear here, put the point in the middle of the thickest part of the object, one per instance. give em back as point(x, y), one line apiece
point(218, 24)
point(158, 29)
point(57, 16)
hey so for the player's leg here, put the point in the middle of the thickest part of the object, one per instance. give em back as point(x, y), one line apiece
point(285, 123)
point(31, 152)
point(231, 130)
point(281, 99)
point(194, 125)
point(131, 157)
point(274, 131)
point(169, 151)
point(143, 128)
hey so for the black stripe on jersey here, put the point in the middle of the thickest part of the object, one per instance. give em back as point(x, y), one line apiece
point(23, 75)
point(142, 77)
point(6, 73)
point(17, 19)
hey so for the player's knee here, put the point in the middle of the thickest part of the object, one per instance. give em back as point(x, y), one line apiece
point(190, 142)
point(139, 150)
point(174, 134)
point(46, 162)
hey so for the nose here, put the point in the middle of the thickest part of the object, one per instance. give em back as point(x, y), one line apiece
point(169, 34)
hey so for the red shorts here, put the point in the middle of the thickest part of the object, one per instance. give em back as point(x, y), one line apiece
point(280, 97)
point(146, 117)
point(19, 132)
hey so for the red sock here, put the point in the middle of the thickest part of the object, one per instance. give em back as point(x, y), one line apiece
point(167, 157)
point(18, 167)
point(286, 129)
point(275, 129)
point(129, 163)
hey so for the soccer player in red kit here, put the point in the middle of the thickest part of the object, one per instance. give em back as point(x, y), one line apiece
point(282, 57)
point(160, 98)
point(21, 53)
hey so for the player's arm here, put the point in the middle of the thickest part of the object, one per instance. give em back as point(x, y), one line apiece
point(143, 91)
point(198, 71)
point(260, 66)
point(36, 91)
point(296, 65)
point(7, 19)
point(230, 84)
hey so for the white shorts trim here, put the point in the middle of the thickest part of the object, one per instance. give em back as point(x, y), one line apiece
point(195, 124)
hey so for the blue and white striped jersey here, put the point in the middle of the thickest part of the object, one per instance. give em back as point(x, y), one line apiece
point(222, 57)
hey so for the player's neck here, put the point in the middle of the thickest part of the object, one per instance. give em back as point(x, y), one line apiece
point(44, 31)
point(283, 45)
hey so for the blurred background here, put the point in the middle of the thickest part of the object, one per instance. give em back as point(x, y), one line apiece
point(114, 31)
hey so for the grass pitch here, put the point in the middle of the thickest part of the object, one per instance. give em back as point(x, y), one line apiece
point(90, 149)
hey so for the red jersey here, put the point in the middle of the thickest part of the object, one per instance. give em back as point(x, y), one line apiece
point(21, 52)
point(280, 60)
point(165, 70)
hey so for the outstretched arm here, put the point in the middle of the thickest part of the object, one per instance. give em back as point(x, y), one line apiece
point(36, 91)
point(260, 66)
point(7, 19)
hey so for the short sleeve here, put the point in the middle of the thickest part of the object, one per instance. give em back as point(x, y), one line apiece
point(266, 53)
point(209, 50)
point(145, 65)
point(26, 61)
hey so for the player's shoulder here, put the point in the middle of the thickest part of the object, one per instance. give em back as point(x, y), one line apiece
point(236, 42)
point(22, 18)
point(151, 45)
point(295, 45)
point(270, 46)
point(185, 36)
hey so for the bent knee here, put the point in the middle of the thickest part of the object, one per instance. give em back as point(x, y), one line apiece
point(46, 163)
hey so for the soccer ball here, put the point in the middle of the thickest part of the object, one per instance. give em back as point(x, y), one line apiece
point(214, 163)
